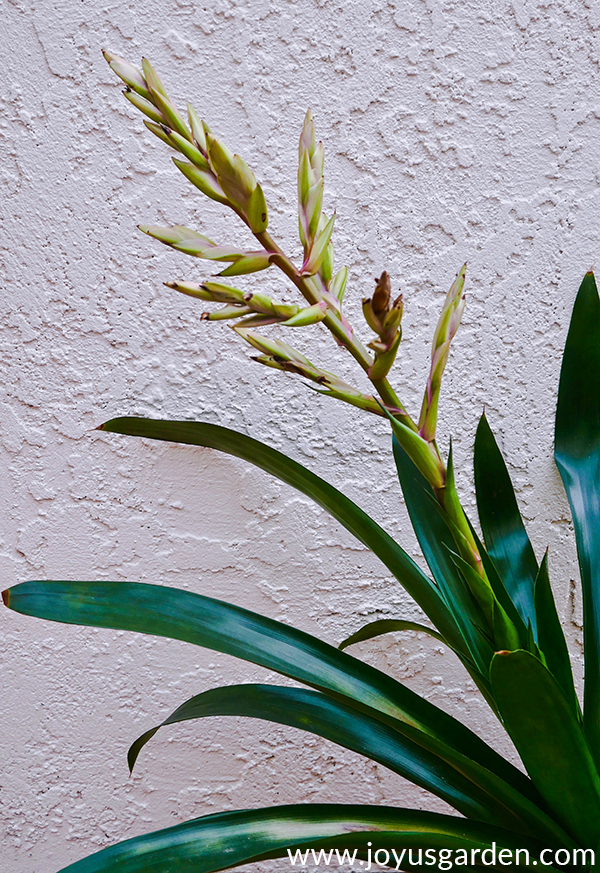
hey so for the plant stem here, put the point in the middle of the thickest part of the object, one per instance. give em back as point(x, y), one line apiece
point(339, 331)
point(446, 496)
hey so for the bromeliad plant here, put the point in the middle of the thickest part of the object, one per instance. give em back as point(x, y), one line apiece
point(490, 602)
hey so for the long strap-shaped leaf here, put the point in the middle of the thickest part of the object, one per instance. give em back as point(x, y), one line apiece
point(229, 839)
point(314, 712)
point(551, 638)
point(550, 741)
point(503, 530)
point(436, 541)
point(170, 612)
point(577, 455)
point(337, 504)
point(387, 626)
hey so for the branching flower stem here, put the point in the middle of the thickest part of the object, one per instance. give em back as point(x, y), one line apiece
point(226, 178)
point(447, 501)
point(335, 326)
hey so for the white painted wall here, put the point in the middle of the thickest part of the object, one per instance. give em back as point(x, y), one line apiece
point(454, 131)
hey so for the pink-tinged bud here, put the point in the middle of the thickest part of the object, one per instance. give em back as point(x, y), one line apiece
point(447, 326)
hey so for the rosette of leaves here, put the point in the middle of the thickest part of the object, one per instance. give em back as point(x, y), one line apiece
point(489, 600)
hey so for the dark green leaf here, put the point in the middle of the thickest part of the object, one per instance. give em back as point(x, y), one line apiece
point(550, 741)
point(340, 507)
point(230, 839)
point(314, 712)
point(551, 638)
point(500, 592)
point(203, 621)
point(505, 634)
point(436, 541)
point(387, 626)
point(504, 533)
point(577, 454)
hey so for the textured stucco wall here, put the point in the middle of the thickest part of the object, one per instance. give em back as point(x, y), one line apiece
point(454, 131)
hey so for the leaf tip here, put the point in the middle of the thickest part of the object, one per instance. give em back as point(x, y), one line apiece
point(6, 597)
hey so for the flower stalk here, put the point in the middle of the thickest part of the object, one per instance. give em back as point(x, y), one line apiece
point(225, 177)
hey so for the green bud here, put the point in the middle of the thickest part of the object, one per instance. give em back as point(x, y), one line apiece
point(272, 347)
point(318, 160)
point(159, 131)
point(204, 181)
point(128, 73)
point(239, 184)
point(262, 304)
point(447, 326)
point(171, 115)
point(152, 80)
point(196, 128)
point(232, 311)
point(173, 236)
point(215, 292)
point(338, 285)
point(392, 320)
point(258, 320)
point(327, 265)
point(370, 317)
point(313, 209)
point(259, 303)
point(309, 315)
point(317, 253)
point(365, 402)
point(188, 149)
point(304, 176)
point(223, 163)
point(190, 289)
point(197, 249)
point(248, 262)
point(256, 211)
point(144, 106)
point(308, 139)
point(224, 293)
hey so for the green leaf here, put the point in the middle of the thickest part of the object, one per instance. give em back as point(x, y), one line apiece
point(504, 533)
point(577, 455)
point(437, 543)
point(170, 612)
point(314, 712)
point(505, 635)
point(387, 626)
point(500, 592)
point(551, 638)
point(419, 451)
point(550, 741)
point(230, 839)
point(333, 501)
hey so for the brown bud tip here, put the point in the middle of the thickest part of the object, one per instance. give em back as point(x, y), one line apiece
point(6, 597)
point(382, 294)
point(503, 652)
